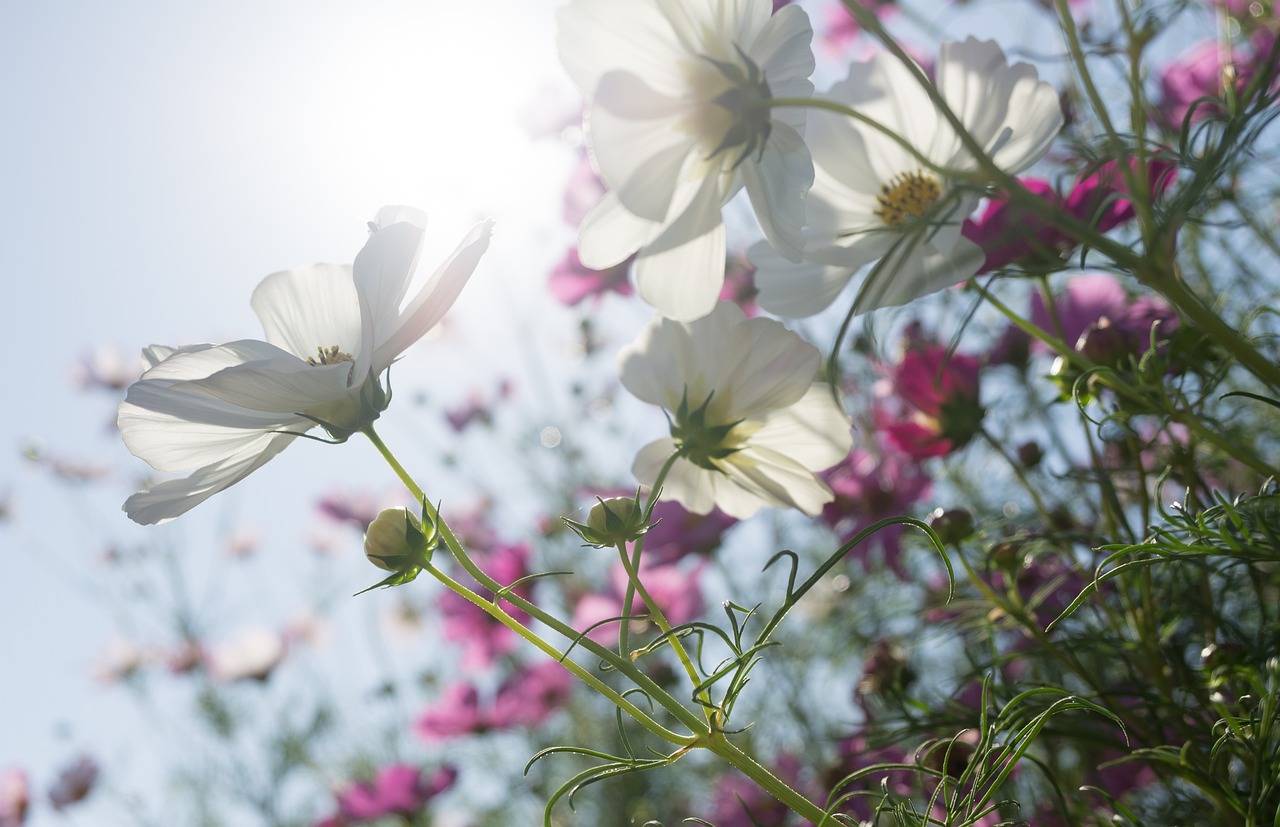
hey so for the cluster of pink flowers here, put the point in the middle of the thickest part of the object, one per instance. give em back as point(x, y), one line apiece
point(395, 790)
point(526, 698)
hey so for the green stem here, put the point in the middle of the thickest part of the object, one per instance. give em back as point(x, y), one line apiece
point(624, 666)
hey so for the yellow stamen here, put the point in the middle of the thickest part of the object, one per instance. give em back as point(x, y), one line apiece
point(329, 356)
point(906, 197)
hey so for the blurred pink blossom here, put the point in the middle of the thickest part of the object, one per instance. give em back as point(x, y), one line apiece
point(74, 783)
point(357, 508)
point(868, 487)
point(106, 369)
point(677, 532)
point(572, 281)
point(525, 698)
point(483, 638)
point(15, 797)
point(251, 655)
point(674, 589)
point(395, 790)
point(477, 408)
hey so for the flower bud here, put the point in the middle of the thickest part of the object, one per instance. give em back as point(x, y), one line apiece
point(612, 522)
point(952, 525)
point(1104, 343)
point(396, 541)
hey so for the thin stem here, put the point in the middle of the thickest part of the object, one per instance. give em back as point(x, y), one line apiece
point(678, 711)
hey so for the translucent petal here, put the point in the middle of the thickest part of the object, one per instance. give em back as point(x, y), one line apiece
point(795, 290)
point(681, 271)
point(686, 483)
point(610, 233)
point(435, 298)
point(776, 480)
point(308, 308)
point(639, 143)
point(814, 431)
point(166, 500)
point(777, 185)
point(598, 36)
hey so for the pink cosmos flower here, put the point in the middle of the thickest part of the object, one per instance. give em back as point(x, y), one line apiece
point(678, 532)
point(740, 802)
point(934, 409)
point(1193, 84)
point(524, 699)
point(674, 589)
point(1098, 300)
point(572, 281)
point(1008, 236)
point(482, 637)
point(869, 487)
point(15, 797)
point(478, 408)
point(74, 783)
point(530, 696)
point(357, 508)
point(396, 789)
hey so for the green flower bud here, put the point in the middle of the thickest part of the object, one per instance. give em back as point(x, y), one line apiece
point(612, 522)
point(952, 525)
point(397, 542)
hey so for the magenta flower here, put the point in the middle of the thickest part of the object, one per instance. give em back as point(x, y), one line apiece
point(674, 589)
point(524, 699)
point(482, 637)
point(15, 797)
point(1098, 301)
point(74, 783)
point(869, 487)
point(528, 697)
point(677, 532)
point(572, 281)
point(456, 713)
point(1192, 85)
point(1021, 236)
point(357, 508)
point(396, 789)
point(935, 408)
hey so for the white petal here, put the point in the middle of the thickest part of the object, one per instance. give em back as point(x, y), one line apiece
point(681, 271)
point(776, 480)
point(783, 51)
point(760, 366)
point(597, 36)
point(638, 142)
point(814, 431)
point(610, 233)
point(686, 483)
point(382, 271)
point(917, 268)
point(309, 308)
point(777, 185)
point(657, 366)
point(435, 298)
point(168, 421)
point(173, 498)
point(795, 290)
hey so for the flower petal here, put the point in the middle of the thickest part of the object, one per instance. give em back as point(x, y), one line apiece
point(682, 270)
point(777, 185)
point(775, 480)
point(435, 298)
point(814, 431)
point(166, 500)
point(610, 233)
point(638, 143)
point(792, 290)
point(309, 308)
point(595, 36)
point(686, 483)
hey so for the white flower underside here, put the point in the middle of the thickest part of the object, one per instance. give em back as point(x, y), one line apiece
point(222, 411)
point(646, 67)
point(753, 372)
point(1008, 111)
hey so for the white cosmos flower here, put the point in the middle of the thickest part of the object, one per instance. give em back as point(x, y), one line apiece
point(748, 419)
point(872, 198)
point(678, 121)
point(223, 411)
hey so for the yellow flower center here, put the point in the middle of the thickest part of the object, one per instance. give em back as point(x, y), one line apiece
point(329, 356)
point(906, 197)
